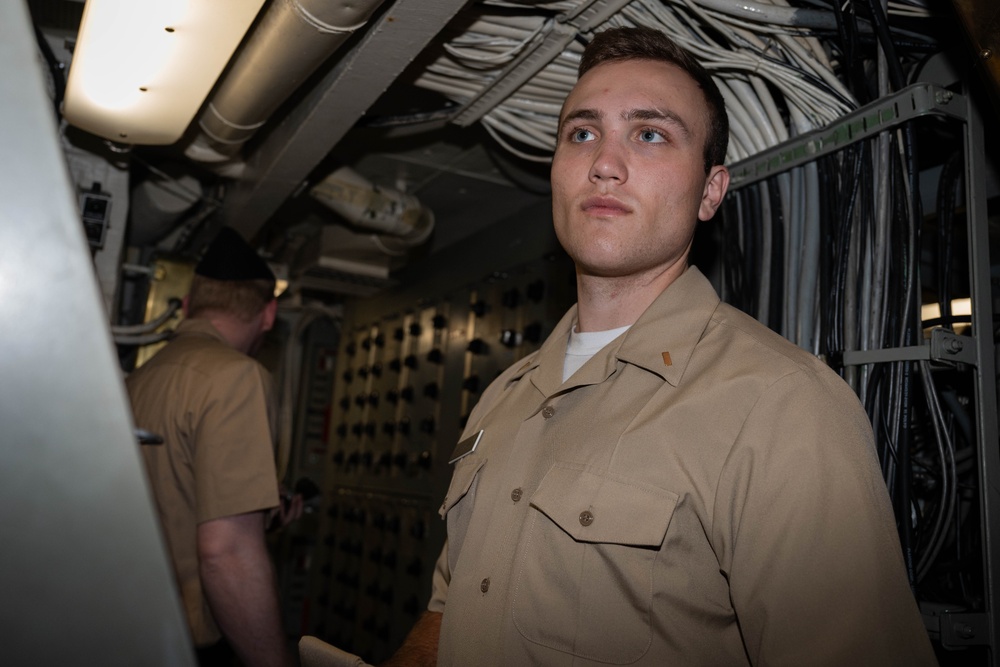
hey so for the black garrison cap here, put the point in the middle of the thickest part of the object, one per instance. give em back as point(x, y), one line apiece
point(229, 257)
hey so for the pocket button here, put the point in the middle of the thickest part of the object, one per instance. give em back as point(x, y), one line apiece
point(586, 518)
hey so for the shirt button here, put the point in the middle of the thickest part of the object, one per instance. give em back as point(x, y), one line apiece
point(548, 411)
point(485, 585)
point(586, 518)
point(515, 495)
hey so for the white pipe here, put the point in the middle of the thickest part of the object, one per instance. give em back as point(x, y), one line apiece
point(292, 39)
point(399, 216)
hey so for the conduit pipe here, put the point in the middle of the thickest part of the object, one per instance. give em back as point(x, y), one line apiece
point(291, 40)
point(399, 220)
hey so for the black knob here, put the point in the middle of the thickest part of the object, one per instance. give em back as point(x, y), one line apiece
point(357, 429)
point(351, 349)
point(380, 340)
point(439, 321)
point(345, 403)
point(471, 384)
point(366, 344)
point(427, 425)
point(389, 428)
point(370, 429)
point(400, 460)
point(478, 308)
point(435, 356)
point(536, 291)
point(338, 456)
point(396, 365)
point(392, 396)
point(533, 332)
point(373, 399)
point(478, 346)
point(415, 329)
point(384, 460)
point(398, 334)
point(431, 390)
point(342, 430)
point(363, 372)
point(360, 400)
point(404, 426)
point(406, 393)
point(424, 460)
point(348, 376)
point(410, 361)
point(367, 459)
point(511, 298)
point(377, 369)
point(418, 530)
point(510, 338)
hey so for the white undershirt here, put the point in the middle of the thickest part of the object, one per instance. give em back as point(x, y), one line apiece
point(583, 345)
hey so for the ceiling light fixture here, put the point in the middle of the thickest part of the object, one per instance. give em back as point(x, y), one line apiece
point(142, 68)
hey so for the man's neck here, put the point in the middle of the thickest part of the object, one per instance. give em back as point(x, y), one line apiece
point(239, 334)
point(605, 303)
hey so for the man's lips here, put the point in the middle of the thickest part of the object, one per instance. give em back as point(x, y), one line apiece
point(605, 206)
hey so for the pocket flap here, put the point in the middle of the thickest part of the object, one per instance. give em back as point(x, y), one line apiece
point(461, 481)
point(601, 507)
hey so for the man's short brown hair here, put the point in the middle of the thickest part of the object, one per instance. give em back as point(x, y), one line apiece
point(244, 299)
point(619, 44)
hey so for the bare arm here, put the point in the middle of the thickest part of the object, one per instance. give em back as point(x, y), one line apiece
point(238, 579)
point(420, 648)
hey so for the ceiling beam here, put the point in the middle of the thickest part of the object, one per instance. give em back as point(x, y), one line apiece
point(311, 130)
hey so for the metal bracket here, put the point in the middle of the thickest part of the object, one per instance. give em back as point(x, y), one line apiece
point(920, 99)
point(945, 346)
point(961, 630)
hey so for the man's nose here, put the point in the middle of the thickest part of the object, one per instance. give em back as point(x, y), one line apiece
point(609, 162)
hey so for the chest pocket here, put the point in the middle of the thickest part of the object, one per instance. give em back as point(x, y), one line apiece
point(458, 503)
point(584, 578)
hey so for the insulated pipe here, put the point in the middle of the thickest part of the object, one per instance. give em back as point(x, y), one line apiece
point(399, 219)
point(292, 39)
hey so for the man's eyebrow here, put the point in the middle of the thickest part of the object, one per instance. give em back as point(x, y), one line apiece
point(668, 117)
point(581, 114)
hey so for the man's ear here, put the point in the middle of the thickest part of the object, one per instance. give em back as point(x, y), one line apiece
point(269, 315)
point(716, 184)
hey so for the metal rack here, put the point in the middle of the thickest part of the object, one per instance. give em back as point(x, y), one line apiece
point(956, 629)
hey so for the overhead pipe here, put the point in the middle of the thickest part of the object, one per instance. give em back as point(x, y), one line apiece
point(399, 220)
point(290, 42)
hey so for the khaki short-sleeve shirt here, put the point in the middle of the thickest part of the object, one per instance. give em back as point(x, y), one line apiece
point(215, 410)
point(700, 492)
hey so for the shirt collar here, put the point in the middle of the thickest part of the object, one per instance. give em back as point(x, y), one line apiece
point(661, 341)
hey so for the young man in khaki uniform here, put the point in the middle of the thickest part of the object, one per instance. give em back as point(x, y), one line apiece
point(214, 477)
point(665, 481)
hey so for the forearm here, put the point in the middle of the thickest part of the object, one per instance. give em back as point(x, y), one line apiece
point(420, 648)
point(239, 583)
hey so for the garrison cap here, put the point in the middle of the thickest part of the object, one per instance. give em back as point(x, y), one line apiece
point(229, 257)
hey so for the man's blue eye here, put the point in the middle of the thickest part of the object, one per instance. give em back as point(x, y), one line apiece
point(582, 135)
point(650, 136)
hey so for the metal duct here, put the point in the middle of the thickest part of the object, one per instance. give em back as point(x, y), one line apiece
point(158, 202)
point(292, 39)
point(399, 220)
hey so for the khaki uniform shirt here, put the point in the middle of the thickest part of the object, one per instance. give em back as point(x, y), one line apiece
point(701, 492)
point(214, 407)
